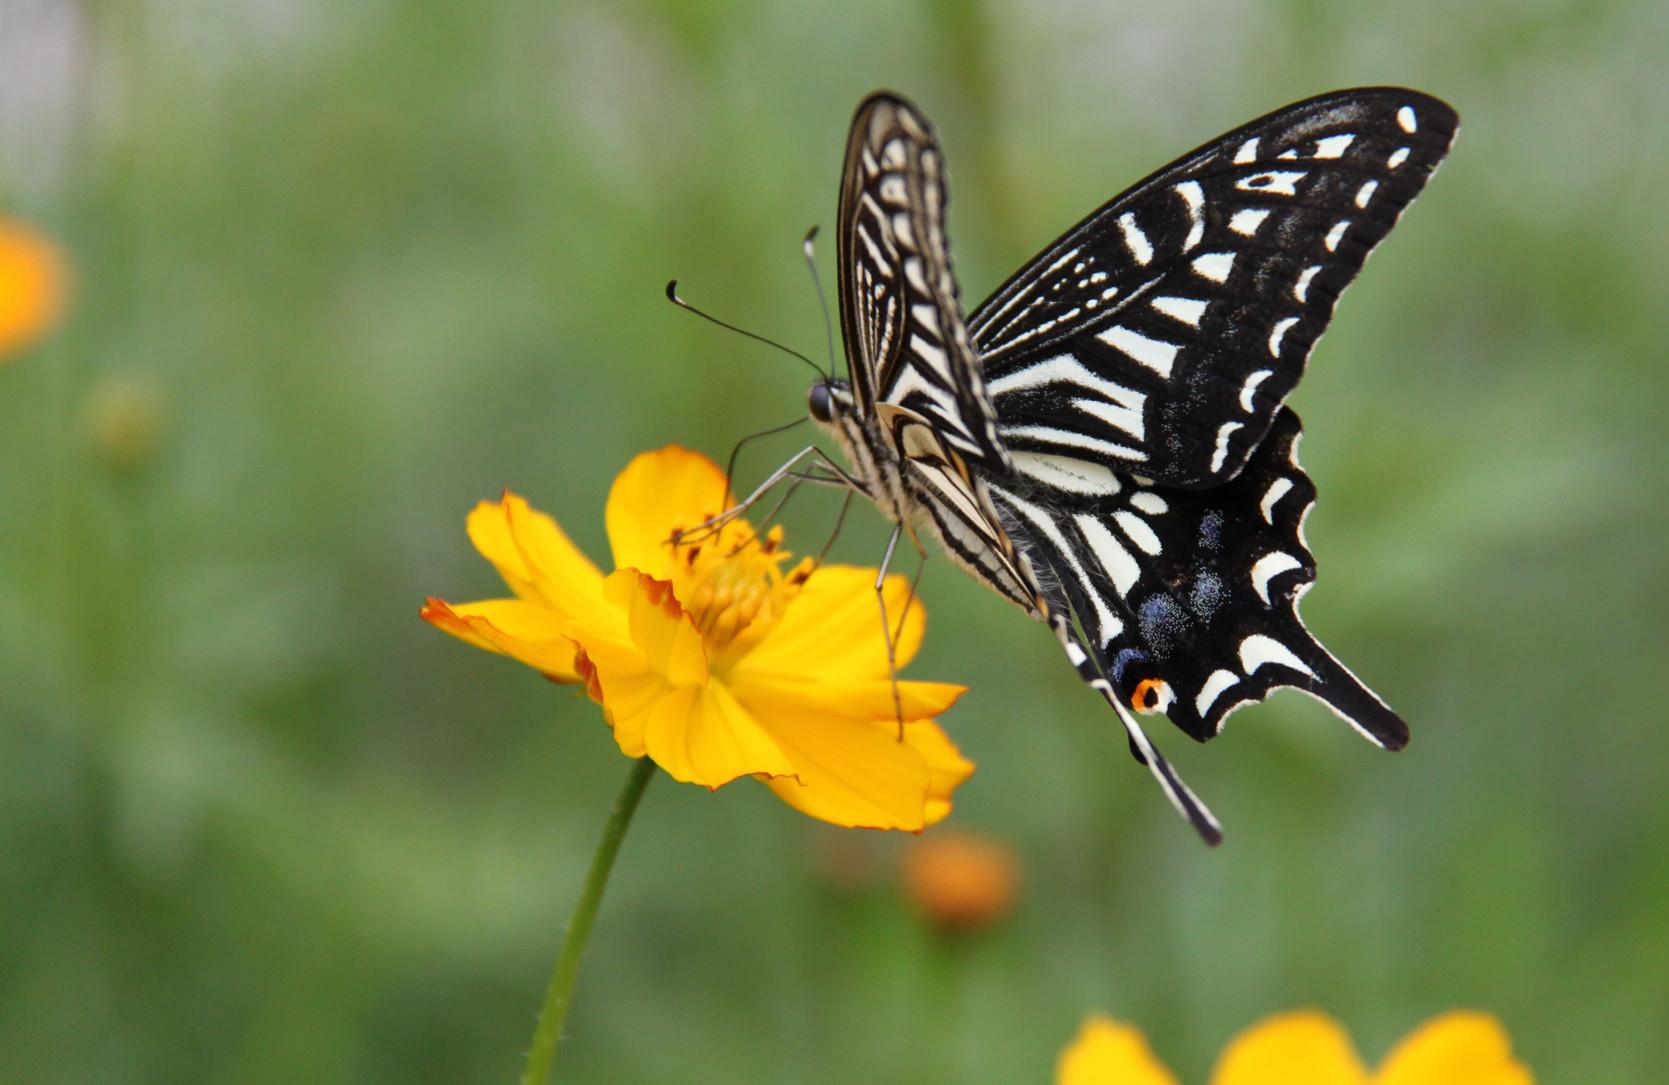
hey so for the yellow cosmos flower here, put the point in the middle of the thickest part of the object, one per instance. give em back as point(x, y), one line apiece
point(1306, 1048)
point(712, 658)
point(31, 286)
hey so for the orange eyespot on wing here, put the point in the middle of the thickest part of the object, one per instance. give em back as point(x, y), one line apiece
point(1149, 696)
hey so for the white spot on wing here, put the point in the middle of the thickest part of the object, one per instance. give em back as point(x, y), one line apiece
point(1248, 152)
point(1215, 265)
point(1149, 502)
point(1336, 234)
point(1066, 369)
point(1302, 286)
point(903, 231)
point(1246, 222)
point(1156, 354)
point(1406, 121)
point(1117, 415)
point(1333, 146)
point(1277, 490)
point(1082, 477)
point(1221, 452)
point(1112, 555)
point(1365, 193)
point(912, 272)
point(1257, 649)
point(1134, 239)
point(1213, 688)
point(1194, 196)
point(1069, 439)
point(1276, 182)
point(1249, 389)
point(1140, 534)
point(1398, 157)
point(930, 353)
point(1267, 568)
point(1277, 333)
point(1187, 310)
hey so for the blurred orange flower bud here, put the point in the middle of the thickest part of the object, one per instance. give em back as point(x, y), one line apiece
point(960, 881)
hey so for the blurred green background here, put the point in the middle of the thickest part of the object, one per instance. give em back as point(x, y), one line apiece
point(343, 269)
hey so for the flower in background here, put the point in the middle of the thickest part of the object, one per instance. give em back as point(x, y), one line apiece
point(712, 658)
point(125, 418)
point(1306, 1048)
point(32, 278)
point(960, 882)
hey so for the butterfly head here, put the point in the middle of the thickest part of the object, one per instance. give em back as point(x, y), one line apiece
point(829, 400)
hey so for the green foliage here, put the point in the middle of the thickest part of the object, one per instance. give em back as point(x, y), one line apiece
point(369, 263)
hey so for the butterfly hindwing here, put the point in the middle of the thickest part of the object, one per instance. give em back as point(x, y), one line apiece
point(1162, 333)
point(1189, 599)
point(908, 343)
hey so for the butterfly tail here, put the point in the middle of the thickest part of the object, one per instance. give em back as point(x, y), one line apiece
point(1332, 683)
point(1186, 802)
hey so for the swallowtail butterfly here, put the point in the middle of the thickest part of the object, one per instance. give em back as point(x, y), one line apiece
point(1103, 441)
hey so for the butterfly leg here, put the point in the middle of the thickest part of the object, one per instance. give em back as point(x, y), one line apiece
point(840, 521)
point(891, 632)
point(712, 524)
point(886, 625)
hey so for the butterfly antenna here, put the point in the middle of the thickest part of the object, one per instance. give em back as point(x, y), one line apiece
point(672, 296)
point(822, 299)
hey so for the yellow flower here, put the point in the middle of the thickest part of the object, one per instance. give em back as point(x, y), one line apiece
point(1306, 1048)
point(713, 660)
point(31, 286)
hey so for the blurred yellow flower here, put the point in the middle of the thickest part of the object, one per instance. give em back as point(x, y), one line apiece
point(961, 882)
point(711, 659)
point(1306, 1048)
point(31, 286)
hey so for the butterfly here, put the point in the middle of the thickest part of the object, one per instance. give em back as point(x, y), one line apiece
point(1103, 441)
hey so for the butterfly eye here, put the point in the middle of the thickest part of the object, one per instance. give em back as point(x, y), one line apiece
point(822, 402)
point(1151, 695)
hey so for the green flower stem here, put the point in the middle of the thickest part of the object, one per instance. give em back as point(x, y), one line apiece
point(547, 1035)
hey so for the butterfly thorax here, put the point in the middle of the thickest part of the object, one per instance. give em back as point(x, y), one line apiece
point(919, 481)
point(875, 463)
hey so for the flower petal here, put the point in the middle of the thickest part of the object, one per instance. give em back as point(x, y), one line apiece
point(1299, 1048)
point(659, 699)
point(859, 775)
point(869, 699)
point(1108, 1052)
point(534, 556)
point(524, 631)
point(946, 768)
point(833, 627)
point(1458, 1048)
point(657, 493)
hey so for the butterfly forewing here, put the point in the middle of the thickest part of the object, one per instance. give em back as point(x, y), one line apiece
point(908, 343)
point(1161, 334)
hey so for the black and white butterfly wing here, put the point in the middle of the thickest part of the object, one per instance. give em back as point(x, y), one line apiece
point(907, 339)
point(1162, 333)
point(1188, 599)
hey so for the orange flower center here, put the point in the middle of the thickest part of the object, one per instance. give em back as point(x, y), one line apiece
point(734, 585)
